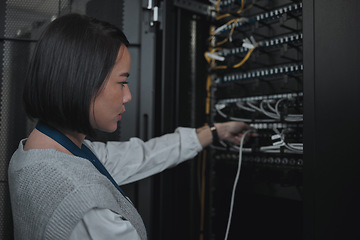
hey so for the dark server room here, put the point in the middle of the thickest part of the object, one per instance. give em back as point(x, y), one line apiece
point(241, 123)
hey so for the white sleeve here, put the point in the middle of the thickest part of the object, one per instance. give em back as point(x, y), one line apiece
point(134, 160)
point(103, 224)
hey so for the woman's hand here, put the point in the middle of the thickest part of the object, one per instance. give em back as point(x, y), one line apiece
point(232, 131)
point(227, 131)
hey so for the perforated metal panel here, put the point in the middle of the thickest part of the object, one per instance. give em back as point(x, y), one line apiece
point(5, 213)
point(24, 17)
point(21, 24)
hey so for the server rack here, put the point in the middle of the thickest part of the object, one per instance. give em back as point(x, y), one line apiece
point(256, 68)
point(316, 197)
point(270, 182)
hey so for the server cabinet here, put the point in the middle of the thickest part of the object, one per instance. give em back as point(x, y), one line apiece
point(331, 82)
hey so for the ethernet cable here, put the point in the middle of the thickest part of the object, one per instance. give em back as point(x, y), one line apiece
point(240, 105)
point(250, 44)
point(212, 55)
point(298, 117)
point(294, 147)
point(218, 108)
point(269, 106)
point(276, 115)
point(235, 182)
point(241, 9)
point(290, 148)
point(290, 117)
point(273, 115)
point(276, 147)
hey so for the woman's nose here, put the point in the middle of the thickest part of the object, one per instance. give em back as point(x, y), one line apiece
point(127, 94)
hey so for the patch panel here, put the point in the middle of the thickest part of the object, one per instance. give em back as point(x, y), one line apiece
point(265, 161)
point(263, 17)
point(294, 38)
point(262, 73)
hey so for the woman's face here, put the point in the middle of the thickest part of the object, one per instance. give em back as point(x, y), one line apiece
point(109, 102)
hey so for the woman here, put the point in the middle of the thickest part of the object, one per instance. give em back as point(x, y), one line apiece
point(63, 186)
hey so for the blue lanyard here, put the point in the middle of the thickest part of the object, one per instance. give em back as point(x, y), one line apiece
point(83, 152)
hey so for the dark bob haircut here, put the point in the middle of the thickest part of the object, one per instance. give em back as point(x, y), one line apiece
point(71, 61)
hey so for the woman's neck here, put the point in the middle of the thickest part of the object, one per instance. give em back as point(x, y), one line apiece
point(38, 140)
point(75, 137)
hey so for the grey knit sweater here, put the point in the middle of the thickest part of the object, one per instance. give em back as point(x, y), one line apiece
point(51, 191)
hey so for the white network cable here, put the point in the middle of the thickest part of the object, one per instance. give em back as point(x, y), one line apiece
point(213, 2)
point(267, 113)
point(276, 147)
point(251, 107)
point(290, 117)
point(293, 147)
point(276, 114)
point(218, 108)
point(241, 105)
point(236, 181)
point(270, 107)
